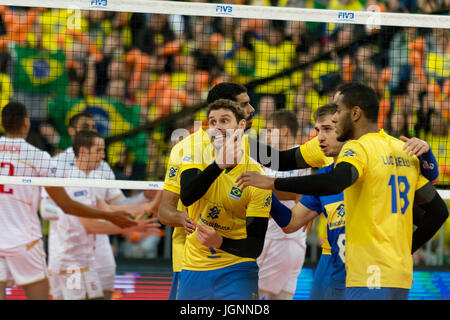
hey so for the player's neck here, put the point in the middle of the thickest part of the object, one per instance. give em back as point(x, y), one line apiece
point(15, 136)
point(366, 128)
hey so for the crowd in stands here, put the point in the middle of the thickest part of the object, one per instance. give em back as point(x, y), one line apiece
point(152, 65)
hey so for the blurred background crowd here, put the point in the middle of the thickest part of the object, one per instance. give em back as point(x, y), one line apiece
point(129, 69)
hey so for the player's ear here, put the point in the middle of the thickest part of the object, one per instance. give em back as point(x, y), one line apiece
point(71, 131)
point(242, 124)
point(356, 113)
point(26, 124)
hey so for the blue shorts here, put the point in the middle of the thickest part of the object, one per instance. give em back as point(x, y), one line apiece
point(235, 282)
point(322, 277)
point(364, 293)
point(333, 293)
point(174, 287)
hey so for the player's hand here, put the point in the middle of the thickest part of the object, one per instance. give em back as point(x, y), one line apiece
point(189, 224)
point(414, 146)
point(208, 236)
point(149, 209)
point(230, 153)
point(255, 179)
point(148, 226)
point(121, 219)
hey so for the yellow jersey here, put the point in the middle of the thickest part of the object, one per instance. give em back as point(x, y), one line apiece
point(225, 207)
point(378, 208)
point(313, 155)
point(172, 184)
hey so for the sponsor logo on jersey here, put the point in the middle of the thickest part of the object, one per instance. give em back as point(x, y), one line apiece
point(214, 212)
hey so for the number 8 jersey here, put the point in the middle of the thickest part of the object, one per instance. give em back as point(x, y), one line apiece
point(379, 223)
point(19, 221)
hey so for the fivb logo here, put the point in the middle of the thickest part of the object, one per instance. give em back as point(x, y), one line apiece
point(346, 16)
point(224, 10)
point(99, 3)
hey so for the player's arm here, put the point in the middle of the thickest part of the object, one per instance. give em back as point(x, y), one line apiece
point(428, 163)
point(290, 159)
point(59, 195)
point(168, 213)
point(105, 227)
point(283, 195)
point(333, 182)
point(291, 220)
point(137, 208)
point(249, 247)
point(194, 182)
point(430, 218)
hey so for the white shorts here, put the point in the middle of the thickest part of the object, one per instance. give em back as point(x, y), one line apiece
point(105, 266)
point(76, 286)
point(24, 264)
point(280, 264)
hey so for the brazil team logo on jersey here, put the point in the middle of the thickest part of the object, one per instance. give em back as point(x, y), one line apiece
point(268, 202)
point(173, 173)
point(235, 193)
point(349, 153)
point(340, 210)
point(214, 212)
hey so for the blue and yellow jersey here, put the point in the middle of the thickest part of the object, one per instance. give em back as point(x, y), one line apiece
point(172, 184)
point(332, 207)
point(225, 207)
point(379, 211)
point(313, 155)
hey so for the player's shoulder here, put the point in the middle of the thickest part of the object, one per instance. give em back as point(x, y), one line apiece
point(34, 152)
point(252, 165)
point(188, 144)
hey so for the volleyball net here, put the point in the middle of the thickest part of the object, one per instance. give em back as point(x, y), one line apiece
point(143, 69)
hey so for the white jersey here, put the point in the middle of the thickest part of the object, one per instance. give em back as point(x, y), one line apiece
point(70, 244)
point(19, 221)
point(102, 246)
point(66, 162)
point(273, 230)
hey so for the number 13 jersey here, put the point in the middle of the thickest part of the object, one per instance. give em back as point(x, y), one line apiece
point(378, 209)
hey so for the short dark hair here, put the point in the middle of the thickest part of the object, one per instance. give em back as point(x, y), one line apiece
point(84, 138)
point(225, 90)
point(226, 104)
point(74, 119)
point(325, 110)
point(13, 116)
point(285, 117)
point(363, 96)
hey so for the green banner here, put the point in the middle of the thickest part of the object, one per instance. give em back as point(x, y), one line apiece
point(40, 71)
point(111, 117)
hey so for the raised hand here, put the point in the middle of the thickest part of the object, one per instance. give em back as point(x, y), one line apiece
point(230, 153)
